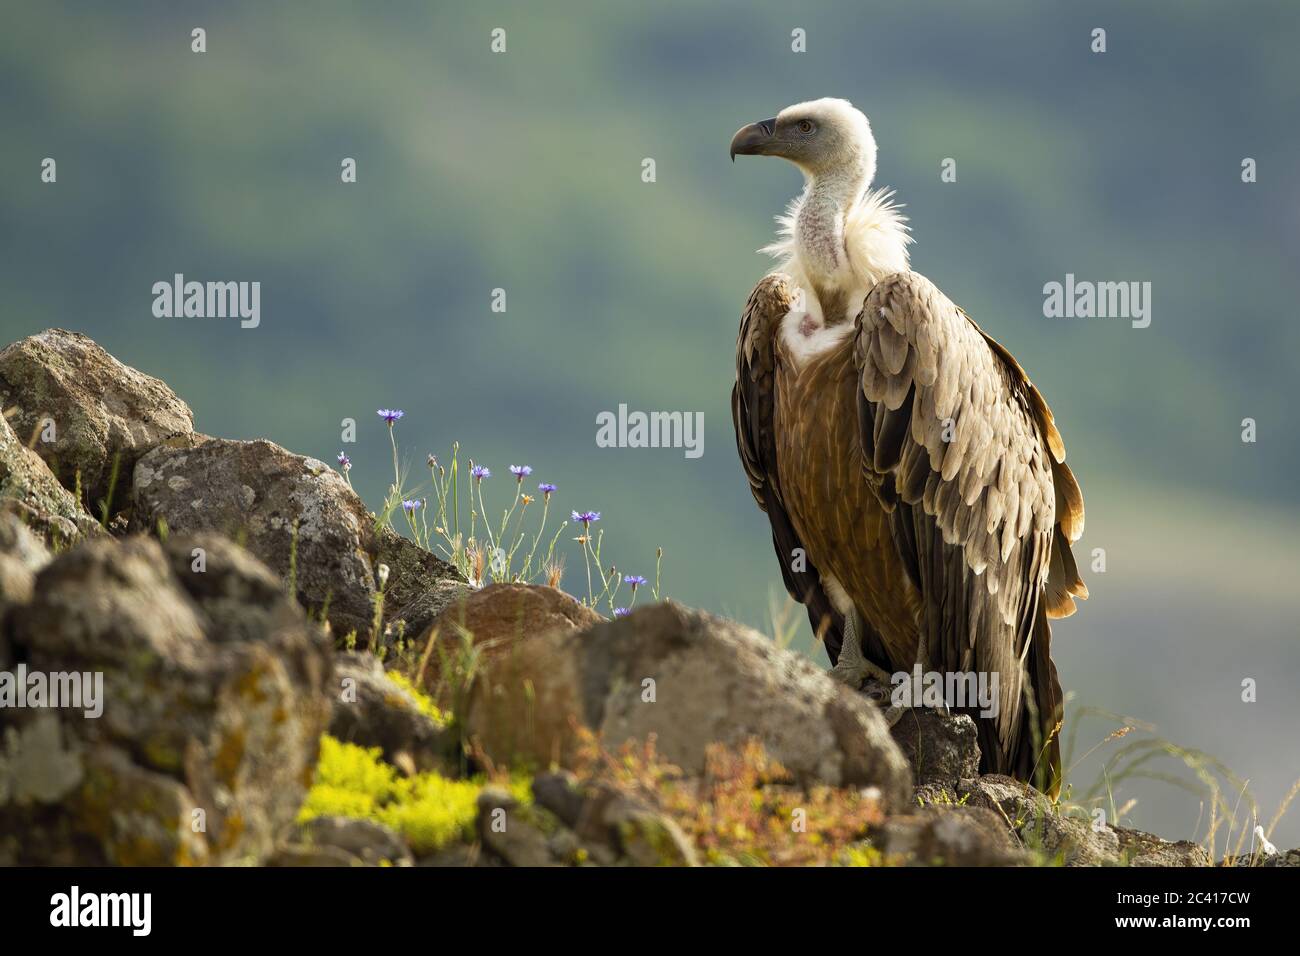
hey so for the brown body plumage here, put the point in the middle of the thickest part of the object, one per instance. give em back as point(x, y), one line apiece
point(965, 540)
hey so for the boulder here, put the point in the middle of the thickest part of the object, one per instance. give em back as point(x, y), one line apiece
point(513, 832)
point(951, 836)
point(1072, 839)
point(29, 490)
point(213, 699)
point(294, 513)
point(495, 619)
point(372, 711)
point(100, 410)
point(942, 749)
point(692, 680)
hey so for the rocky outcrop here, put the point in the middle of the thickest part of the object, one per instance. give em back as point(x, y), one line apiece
point(202, 698)
point(87, 413)
point(294, 513)
point(691, 680)
point(299, 516)
point(29, 490)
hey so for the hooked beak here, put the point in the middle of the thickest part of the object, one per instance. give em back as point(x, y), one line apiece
point(754, 139)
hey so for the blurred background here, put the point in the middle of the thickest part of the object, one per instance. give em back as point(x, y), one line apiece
point(522, 171)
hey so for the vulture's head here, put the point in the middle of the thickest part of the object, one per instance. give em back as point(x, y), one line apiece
point(820, 137)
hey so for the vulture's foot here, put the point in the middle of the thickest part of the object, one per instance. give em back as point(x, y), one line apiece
point(854, 669)
point(882, 696)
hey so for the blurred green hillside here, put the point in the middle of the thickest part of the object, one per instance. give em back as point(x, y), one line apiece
point(522, 171)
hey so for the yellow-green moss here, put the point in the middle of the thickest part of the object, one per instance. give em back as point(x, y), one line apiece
point(422, 700)
point(428, 810)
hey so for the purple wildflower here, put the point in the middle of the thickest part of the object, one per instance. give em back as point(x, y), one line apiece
point(586, 517)
point(344, 461)
point(479, 472)
point(521, 472)
point(621, 612)
point(409, 506)
point(546, 488)
point(634, 579)
point(391, 415)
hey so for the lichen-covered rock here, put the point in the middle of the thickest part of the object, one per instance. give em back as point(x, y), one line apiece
point(1145, 849)
point(420, 586)
point(29, 490)
point(92, 408)
point(1285, 858)
point(370, 710)
point(342, 841)
point(951, 836)
point(1071, 839)
point(214, 696)
point(692, 680)
point(22, 554)
point(294, 513)
point(942, 749)
point(647, 838)
point(513, 832)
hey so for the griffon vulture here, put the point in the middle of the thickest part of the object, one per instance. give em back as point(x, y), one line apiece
point(916, 484)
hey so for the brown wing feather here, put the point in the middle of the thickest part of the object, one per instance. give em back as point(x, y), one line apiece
point(752, 402)
point(964, 450)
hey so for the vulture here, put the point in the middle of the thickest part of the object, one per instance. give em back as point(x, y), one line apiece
point(913, 476)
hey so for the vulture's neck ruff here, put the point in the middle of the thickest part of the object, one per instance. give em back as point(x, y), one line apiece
point(839, 237)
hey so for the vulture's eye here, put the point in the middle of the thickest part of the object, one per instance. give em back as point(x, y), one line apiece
point(805, 126)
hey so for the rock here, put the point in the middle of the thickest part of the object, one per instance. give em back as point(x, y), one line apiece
point(611, 826)
point(561, 793)
point(22, 555)
point(1287, 858)
point(496, 618)
point(647, 838)
point(100, 409)
point(691, 679)
point(951, 836)
point(343, 841)
point(372, 711)
point(420, 586)
point(1146, 849)
point(258, 493)
point(1070, 840)
point(511, 831)
point(214, 696)
point(29, 490)
point(304, 856)
point(941, 748)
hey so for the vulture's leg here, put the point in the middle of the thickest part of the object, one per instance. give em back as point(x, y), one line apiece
point(923, 663)
point(854, 669)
